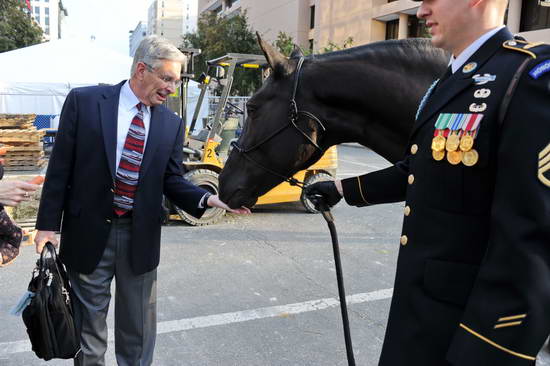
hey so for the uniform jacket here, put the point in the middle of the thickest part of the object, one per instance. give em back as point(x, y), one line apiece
point(473, 274)
point(77, 197)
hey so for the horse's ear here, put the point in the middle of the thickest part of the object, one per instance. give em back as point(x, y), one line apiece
point(297, 52)
point(276, 60)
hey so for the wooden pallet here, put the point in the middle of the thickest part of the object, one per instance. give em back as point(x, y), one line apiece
point(23, 155)
point(25, 166)
point(12, 148)
point(25, 136)
point(17, 121)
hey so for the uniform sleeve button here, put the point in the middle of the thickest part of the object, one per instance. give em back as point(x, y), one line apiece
point(407, 210)
point(414, 149)
point(404, 240)
point(108, 221)
point(411, 179)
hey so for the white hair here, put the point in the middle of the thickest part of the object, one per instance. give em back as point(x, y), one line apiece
point(154, 49)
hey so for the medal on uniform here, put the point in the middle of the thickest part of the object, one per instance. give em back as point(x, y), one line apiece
point(455, 124)
point(469, 128)
point(454, 157)
point(438, 142)
point(470, 157)
point(452, 142)
point(438, 155)
point(466, 142)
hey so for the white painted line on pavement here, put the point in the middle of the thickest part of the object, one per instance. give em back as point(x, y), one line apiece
point(171, 326)
point(377, 167)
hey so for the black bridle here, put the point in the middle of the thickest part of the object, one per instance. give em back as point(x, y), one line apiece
point(294, 115)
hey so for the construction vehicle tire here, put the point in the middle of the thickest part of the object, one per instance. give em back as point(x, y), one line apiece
point(207, 179)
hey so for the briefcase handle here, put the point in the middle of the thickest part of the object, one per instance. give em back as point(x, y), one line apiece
point(49, 248)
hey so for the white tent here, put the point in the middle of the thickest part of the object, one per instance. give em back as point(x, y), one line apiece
point(37, 79)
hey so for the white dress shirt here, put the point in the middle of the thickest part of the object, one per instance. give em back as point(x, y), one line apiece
point(456, 63)
point(127, 110)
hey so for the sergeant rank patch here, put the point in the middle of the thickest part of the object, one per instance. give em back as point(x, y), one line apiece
point(544, 166)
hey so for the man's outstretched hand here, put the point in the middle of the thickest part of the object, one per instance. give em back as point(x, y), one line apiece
point(214, 201)
point(328, 190)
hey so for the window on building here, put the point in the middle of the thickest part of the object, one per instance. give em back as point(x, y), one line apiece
point(229, 3)
point(47, 21)
point(417, 28)
point(392, 29)
point(37, 10)
point(47, 30)
point(47, 10)
point(312, 17)
point(534, 16)
point(311, 43)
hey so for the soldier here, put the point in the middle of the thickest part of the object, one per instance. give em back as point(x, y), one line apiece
point(472, 283)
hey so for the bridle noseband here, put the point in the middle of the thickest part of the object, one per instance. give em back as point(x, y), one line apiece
point(293, 117)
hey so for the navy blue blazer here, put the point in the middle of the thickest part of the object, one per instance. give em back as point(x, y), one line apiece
point(77, 197)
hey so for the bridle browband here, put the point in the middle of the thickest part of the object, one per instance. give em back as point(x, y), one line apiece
point(294, 115)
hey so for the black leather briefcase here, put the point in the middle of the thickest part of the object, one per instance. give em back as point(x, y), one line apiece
point(49, 316)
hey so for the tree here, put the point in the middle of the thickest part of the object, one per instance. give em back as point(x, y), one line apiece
point(331, 46)
point(217, 36)
point(17, 29)
point(285, 44)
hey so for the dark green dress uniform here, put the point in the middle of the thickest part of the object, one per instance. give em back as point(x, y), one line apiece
point(473, 275)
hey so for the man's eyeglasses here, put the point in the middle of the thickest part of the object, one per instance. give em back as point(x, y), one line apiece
point(164, 78)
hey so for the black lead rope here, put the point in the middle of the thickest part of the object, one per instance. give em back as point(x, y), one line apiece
point(325, 210)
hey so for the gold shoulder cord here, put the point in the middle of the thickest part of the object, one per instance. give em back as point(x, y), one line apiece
point(524, 49)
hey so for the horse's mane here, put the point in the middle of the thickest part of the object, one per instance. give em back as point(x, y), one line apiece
point(411, 49)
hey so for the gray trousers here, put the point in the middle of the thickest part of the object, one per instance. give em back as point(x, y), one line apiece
point(135, 305)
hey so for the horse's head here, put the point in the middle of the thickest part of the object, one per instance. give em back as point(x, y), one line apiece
point(269, 139)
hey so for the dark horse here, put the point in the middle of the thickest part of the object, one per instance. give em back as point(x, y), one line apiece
point(366, 94)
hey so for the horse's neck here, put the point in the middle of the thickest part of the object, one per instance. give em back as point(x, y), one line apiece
point(371, 103)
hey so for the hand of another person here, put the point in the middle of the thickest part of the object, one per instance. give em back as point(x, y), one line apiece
point(327, 190)
point(214, 201)
point(12, 192)
point(42, 237)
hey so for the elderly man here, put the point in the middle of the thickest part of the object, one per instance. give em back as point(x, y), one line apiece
point(472, 283)
point(117, 151)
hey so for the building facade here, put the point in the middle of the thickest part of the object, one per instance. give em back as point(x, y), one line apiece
point(315, 24)
point(49, 15)
point(136, 36)
point(166, 19)
point(190, 11)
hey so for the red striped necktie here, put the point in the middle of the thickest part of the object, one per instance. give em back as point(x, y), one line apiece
point(127, 174)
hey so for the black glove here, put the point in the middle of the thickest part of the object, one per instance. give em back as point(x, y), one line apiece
point(327, 190)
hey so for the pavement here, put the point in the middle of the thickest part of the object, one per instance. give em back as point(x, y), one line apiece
point(257, 290)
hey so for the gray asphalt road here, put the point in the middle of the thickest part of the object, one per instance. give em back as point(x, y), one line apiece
point(258, 290)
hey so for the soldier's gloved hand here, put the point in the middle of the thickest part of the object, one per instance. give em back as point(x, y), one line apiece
point(327, 190)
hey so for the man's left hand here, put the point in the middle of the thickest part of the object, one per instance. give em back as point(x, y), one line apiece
point(214, 201)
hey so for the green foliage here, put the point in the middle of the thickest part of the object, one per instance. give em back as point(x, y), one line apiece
point(218, 36)
point(331, 46)
point(17, 29)
point(285, 44)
